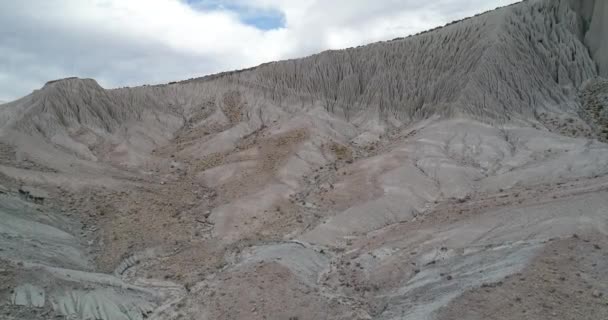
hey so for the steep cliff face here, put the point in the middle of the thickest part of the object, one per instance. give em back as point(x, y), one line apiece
point(507, 63)
point(594, 16)
point(596, 38)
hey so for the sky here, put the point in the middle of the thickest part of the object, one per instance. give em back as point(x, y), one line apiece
point(135, 42)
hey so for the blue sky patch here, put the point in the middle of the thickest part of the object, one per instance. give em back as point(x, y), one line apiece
point(261, 19)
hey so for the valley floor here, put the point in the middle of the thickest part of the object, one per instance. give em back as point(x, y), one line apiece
point(444, 220)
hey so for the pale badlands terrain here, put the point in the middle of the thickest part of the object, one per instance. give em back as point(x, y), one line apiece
point(461, 173)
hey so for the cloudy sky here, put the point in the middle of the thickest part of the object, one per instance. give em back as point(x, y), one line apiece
point(134, 42)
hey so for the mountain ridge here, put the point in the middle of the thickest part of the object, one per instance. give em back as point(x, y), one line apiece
point(564, 72)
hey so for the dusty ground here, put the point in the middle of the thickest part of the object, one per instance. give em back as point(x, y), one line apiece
point(567, 280)
point(215, 236)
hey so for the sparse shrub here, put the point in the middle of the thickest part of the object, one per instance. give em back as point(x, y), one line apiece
point(341, 152)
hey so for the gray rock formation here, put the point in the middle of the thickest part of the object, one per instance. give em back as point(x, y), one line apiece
point(508, 63)
point(595, 26)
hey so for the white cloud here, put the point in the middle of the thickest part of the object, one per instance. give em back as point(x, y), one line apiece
point(131, 42)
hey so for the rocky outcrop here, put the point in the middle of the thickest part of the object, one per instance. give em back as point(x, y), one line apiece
point(594, 14)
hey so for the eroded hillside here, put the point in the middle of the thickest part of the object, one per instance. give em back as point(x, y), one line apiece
point(458, 173)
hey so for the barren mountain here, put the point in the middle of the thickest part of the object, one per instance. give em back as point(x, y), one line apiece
point(461, 173)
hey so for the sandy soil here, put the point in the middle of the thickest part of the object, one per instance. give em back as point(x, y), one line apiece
point(567, 280)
